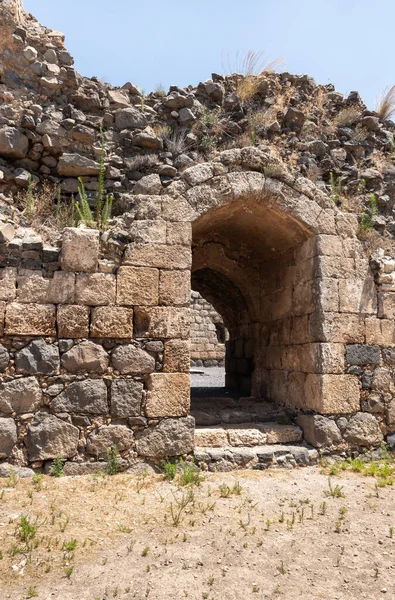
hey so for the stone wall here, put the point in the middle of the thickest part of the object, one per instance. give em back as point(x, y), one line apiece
point(208, 334)
point(95, 334)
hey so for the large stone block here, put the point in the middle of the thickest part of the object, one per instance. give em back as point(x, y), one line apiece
point(20, 396)
point(177, 356)
point(362, 354)
point(137, 286)
point(49, 437)
point(320, 431)
point(363, 429)
point(168, 395)
point(172, 437)
point(130, 118)
point(87, 397)
point(380, 331)
point(80, 250)
point(129, 360)
point(162, 322)
point(110, 436)
point(7, 284)
point(112, 322)
point(73, 321)
point(61, 288)
point(358, 296)
point(126, 397)
point(39, 358)
point(33, 287)
point(179, 234)
point(326, 294)
point(8, 436)
point(95, 289)
point(86, 357)
point(335, 327)
point(216, 437)
point(175, 288)
point(159, 256)
point(30, 319)
point(332, 394)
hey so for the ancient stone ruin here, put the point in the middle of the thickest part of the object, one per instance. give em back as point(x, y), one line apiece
point(264, 203)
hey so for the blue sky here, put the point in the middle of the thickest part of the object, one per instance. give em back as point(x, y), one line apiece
point(150, 42)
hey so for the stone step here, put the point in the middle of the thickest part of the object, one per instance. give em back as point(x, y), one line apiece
point(214, 411)
point(255, 457)
point(246, 434)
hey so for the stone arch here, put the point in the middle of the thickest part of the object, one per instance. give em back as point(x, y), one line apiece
point(289, 252)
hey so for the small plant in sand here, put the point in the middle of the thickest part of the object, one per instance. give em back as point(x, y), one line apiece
point(57, 467)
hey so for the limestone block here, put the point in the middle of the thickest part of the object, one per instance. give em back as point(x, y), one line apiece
point(38, 357)
point(110, 436)
point(346, 224)
point(86, 357)
point(87, 397)
point(80, 250)
point(179, 233)
point(61, 288)
point(245, 436)
point(2, 315)
point(380, 332)
point(358, 296)
point(281, 434)
point(126, 397)
point(332, 394)
point(162, 322)
point(20, 396)
point(7, 283)
point(386, 302)
point(137, 286)
point(331, 266)
point(383, 381)
point(198, 174)
point(148, 231)
point(129, 359)
point(32, 287)
point(174, 288)
point(177, 209)
point(49, 437)
point(4, 357)
point(335, 327)
point(95, 289)
point(176, 357)
point(172, 437)
point(212, 437)
point(329, 245)
point(112, 322)
point(73, 321)
point(320, 431)
point(158, 255)
point(168, 395)
point(30, 319)
point(363, 429)
point(8, 436)
point(326, 294)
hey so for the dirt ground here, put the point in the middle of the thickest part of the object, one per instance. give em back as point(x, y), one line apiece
point(271, 534)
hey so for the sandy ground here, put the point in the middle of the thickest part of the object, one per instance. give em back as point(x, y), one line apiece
point(280, 536)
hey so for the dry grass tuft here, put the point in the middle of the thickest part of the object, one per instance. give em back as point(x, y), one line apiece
point(386, 103)
point(347, 117)
point(251, 64)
